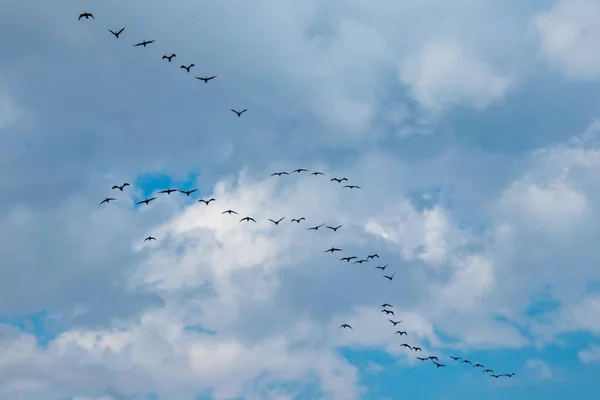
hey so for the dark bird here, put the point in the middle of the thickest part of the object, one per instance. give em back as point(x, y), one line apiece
point(144, 43)
point(117, 33)
point(401, 333)
point(278, 221)
point(279, 173)
point(106, 200)
point(422, 359)
point(229, 212)
point(149, 238)
point(146, 201)
point(207, 202)
point(382, 268)
point(489, 370)
point(300, 170)
point(169, 191)
point(169, 58)
point(496, 376)
point(331, 250)
point(86, 15)
point(394, 322)
point(466, 362)
point(298, 219)
point(315, 228)
point(188, 67)
point(334, 228)
point(386, 305)
point(188, 192)
point(352, 187)
point(455, 358)
point(372, 256)
point(338, 180)
point(478, 366)
point(439, 365)
point(417, 349)
point(347, 259)
point(206, 78)
point(433, 358)
point(360, 261)
point(406, 345)
point(388, 312)
point(317, 173)
point(510, 375)
point(390, 277)
point(345, 326)
point(239, 113)
point(248, 219)
point(120, 187)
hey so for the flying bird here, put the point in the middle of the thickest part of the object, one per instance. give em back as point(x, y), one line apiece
point(331, 250)
point(478, 366)
point(347, 259)
point(315, 228)
point(229, 212)
point(455, 358)
point(106, 200)
point(278, 221)
point(466, 362)
point(390, 277)
point(496, 376)
point(169, 58)
point(489, 370)
point(279, 173)
point(417, 349)
point(439, 365)
point(345, 326)
point(386, 305)
point(86, 15)
point(388, 312)
point(422, 359)
point(372, 256)
point(298, 219)
point(300, 170)
point(120, 187)
point(149, 238)
point(433, 358)
point(401, 333)
point(338, 180)
point(117, 33)
point(352, 187)
point(334, 228)
point(206, 78)
point(188, 67)
point(239, 113)
point(360, 261)
point(248, 219)
point(510, 375)
point(406, 345)
point(188, 192)
point(317, 173)
point(144, 43)
point(394, 322)
point(146, 201)
point(382, 268)
point(207, 202)
point(169, 191)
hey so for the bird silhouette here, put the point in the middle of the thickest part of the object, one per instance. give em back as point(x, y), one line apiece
point(229, 212)
point(117, 33)
point(338, 180)
point(315, 228)
point(297, 219)
point(347, 259)
point(422, 359)
point(386, 305)
point(372, 256)
point(406, 345)
point(510, 375)
point(279, 173)
point(169, 191)
point(207, 202)
point(331, 250)
point(107, 200)
point(206, 78)
point(360, 261)
point(417, 349)
point(149, 238)
point(144, 43)
point(394, 322)
point(120, 187)
point(248, 219)
point(352, 187)
point(334, 228)
point(388, 312)
point(188, 192)
point(478, 366)
point(433, 358)
point(455, 358)
point(169, 58)
point(389, 277)
point(317, 173)
point(489, 370)
point(146, 201)
point(466, 362)
point(345, 326)
point(495, 376)
point(188, 67)
point(86, 15)
point(300, 170)
point(239, 113)
point(439, 365)
point(382, 268)
point(401, 333)
point(278, 221)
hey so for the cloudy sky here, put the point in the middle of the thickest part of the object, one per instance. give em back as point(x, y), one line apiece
point(472, 126)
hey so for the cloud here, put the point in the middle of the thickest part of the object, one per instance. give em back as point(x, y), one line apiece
point(590, 355)
point(540, 368)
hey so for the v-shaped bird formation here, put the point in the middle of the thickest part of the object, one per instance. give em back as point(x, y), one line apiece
point(386, 308)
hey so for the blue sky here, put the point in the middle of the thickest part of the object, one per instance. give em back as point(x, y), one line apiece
point(472, 130)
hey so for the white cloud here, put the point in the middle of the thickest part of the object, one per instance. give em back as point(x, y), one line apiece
point(590, 355)
point(540, 368)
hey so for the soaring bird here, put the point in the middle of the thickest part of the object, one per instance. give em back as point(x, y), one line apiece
point(331, 250)
point(279, 173)
point(510, 375)
point(389, 277)
point(86, 15)
point(401, 333)
point(334, 228)
point(360, 261)
point(120, 187)
point(386, 305)
point(466, 362)
point(188, 192)
point(345, 326)
point(298, 219)
point(146, 201)
point(439, 365)
point(206, 78)
point(478, 366)
point(317, 173)
point(383, 267)
point(239, 113)
point(149, 238)
point(489, 370)
point(117, 33)
point(388, 312)
point(406, 345)
point(347, 259)
point(169, 191)
point(248, 219)
point(106, 200)
point(278, 221)
point(144, 43)
point(417, 349)
point(455, 358)
point(169, 58)
point(315, 228)
point(496, 376)
point(229, 212)
point(207, 202)
point(352, 187)
point(300, 170)
point(394, 322)
point(188, 67)
point(422, 359)
point(433, 358)
point(338, 180)
point(372, 256)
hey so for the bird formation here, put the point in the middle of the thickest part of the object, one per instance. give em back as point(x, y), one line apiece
point(386, 308)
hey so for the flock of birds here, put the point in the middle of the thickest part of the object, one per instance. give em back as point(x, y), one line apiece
point(386, 308)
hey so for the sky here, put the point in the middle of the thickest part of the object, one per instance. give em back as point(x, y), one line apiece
point(472, 128)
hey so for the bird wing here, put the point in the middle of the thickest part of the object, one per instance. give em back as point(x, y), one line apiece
point(122, 29)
